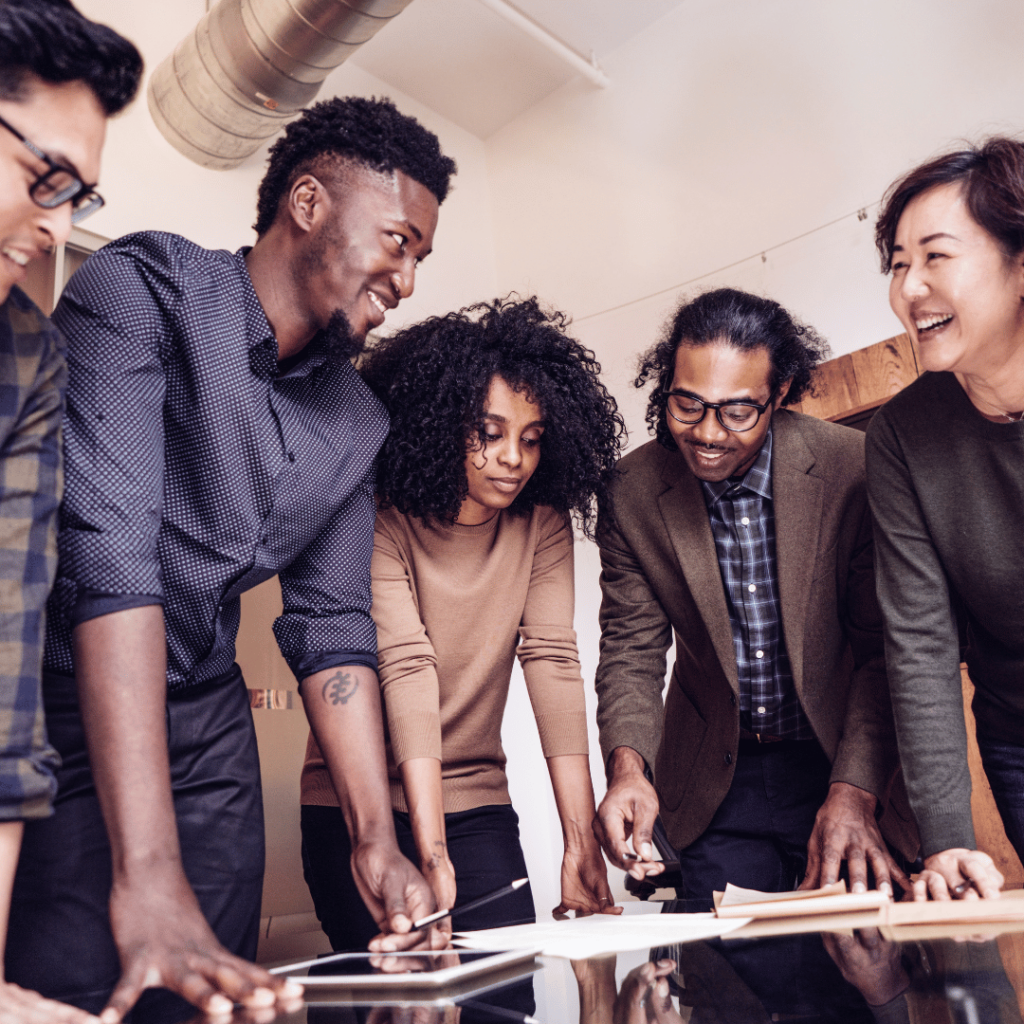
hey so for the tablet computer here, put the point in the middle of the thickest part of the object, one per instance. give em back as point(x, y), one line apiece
point(425, 969)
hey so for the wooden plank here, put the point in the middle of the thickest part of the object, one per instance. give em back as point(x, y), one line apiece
point(861, 380)
point(835, 387)
point(884, 369)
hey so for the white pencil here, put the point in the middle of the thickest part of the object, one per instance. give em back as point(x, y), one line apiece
point(471, 905)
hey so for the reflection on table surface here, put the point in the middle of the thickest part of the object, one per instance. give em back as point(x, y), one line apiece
point(845, 975)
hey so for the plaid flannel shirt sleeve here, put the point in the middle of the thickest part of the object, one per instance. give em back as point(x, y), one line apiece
point(32, 380)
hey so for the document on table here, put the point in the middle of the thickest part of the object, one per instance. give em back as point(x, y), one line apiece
point(831, 899)
point(1010, 907)
point(600, 934)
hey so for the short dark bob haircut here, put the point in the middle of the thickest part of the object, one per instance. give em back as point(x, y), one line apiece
point(50, 40)
point(991, 177)
point(434, 378)
point(744, 321)
point(353, 129)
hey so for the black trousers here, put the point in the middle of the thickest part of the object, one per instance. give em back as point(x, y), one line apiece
point(483, 845)
point(59, 940)
point(758, 836)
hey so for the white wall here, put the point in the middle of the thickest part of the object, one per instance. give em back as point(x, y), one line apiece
point(734, 128)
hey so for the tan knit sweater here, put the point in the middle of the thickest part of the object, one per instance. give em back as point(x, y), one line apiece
point(453, 606)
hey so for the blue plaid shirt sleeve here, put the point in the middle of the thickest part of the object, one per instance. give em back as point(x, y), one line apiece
point(32, 382)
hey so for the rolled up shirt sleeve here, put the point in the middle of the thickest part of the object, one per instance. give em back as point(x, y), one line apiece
point(326, 593)
point(114, 437)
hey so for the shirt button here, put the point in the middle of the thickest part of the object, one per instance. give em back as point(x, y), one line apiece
point(752, 588)
point(745, 521)
point(761, 711)
point(291, 456)
point(759, 654)
point(732, 699)
point(728, 758)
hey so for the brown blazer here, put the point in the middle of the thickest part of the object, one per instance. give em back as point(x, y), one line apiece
point(660, 578)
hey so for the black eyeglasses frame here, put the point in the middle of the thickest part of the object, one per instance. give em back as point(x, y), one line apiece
point(69, 194)
point(717, 406)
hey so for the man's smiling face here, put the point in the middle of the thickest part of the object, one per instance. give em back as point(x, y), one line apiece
point(718, 373)
point(362, 255)
point(68, 124)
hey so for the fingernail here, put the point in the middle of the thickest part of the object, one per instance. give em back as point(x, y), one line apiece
point(662, 988)
point(291, 990)
point(886, 888)
point(859, 887)
point(218, 1003)
point(646, 852)
point(260, 996)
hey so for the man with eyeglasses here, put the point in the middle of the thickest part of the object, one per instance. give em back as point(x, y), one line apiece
point(61, 77)
point(743, 531)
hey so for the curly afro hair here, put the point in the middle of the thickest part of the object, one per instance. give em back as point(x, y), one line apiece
point(744, 321)
point(51, 40)
point(371, 132)
point(434, 378)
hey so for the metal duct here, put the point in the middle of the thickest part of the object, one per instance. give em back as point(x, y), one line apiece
point(250, 66)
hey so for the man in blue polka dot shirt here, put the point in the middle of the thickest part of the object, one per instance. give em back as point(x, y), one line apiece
point(217, 435)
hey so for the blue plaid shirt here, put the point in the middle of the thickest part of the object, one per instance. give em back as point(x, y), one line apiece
point(198, 467)
point(743, 525)
point(32, 378)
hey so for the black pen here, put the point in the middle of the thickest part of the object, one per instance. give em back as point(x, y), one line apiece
point(471, 905)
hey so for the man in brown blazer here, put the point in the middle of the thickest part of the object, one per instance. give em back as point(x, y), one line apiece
point(743, 531)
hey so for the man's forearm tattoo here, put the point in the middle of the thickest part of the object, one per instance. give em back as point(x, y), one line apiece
point(436, 858)
point(339, 688)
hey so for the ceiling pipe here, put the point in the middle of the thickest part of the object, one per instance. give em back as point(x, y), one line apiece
point(250, 66)
point(589, 69)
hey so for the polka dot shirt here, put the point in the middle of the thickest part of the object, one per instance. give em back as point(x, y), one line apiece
point(195, 469)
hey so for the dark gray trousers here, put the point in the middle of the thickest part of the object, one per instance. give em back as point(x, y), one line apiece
point(59, 941)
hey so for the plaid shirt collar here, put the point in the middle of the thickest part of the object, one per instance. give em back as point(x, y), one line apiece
point(757, 479)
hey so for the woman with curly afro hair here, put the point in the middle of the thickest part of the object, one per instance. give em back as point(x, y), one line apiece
point(501, 435)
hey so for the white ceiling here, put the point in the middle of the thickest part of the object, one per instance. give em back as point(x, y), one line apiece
point(475, 69)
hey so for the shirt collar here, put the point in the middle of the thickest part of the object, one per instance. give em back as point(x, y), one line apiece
point(260, 335)
point(757, 479)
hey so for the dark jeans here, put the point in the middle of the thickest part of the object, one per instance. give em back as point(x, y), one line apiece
point(758, 836)
point(483, 845)
point(59, 941)
point(1004, 766)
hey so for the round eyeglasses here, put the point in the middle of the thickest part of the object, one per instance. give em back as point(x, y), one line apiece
point(735, 416)
point(57, 184)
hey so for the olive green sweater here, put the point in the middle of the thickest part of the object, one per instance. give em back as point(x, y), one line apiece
point(454, 606)
point(947, 491)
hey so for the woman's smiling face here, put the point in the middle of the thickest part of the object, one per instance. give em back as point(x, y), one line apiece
point(952, 287)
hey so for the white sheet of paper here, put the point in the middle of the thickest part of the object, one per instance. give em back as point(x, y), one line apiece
point(582, 937)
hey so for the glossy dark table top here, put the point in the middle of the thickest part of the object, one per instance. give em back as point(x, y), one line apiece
point(942, 974)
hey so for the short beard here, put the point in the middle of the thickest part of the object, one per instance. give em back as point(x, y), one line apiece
point(338, 341)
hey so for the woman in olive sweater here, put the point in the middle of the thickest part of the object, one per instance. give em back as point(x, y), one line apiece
point(945, 461)
point(501, 432)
